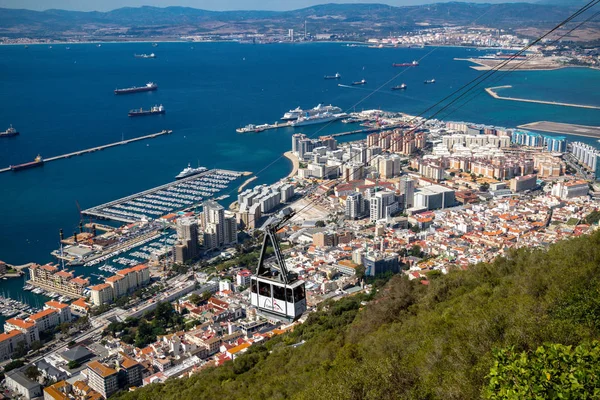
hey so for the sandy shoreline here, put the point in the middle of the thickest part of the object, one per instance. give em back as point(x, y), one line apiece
point(295, 163)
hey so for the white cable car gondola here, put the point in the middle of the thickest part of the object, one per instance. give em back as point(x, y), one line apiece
point(275, 291)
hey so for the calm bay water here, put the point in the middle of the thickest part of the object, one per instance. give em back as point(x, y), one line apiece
point(61, 100)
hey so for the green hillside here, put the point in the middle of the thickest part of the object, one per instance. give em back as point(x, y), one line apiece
point(521, 327)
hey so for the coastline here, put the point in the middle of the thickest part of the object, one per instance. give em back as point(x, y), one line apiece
point(480, 66)
point(295, 163)
point(492, 91)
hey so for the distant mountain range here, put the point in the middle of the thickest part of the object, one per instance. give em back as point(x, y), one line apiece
point(364, 19)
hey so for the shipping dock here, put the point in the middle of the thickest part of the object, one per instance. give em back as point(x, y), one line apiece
point(181, 195)
point(98, 148)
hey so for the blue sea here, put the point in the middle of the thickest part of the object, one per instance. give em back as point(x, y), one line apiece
point(62, 100)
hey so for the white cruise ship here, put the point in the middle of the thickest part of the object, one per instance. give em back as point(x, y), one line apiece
point(189, 171)
point(320, 109)
point(318, 119)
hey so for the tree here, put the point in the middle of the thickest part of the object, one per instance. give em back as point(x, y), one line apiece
point(195, 299)
point(32, 372)
point(320, 224)
point(415, 251)
point(453, 174)
point(553, 371)
point(64, 328)
point(360, 271)
point(73, 364)
point(484, 187)
point(206, 295)
point(36, 345)
point(144, 334)
point(13, 365)
point(20, 350)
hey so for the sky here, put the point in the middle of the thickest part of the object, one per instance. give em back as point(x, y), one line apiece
point(219, 5)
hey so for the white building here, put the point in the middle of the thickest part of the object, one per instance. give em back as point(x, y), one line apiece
point(568, 190)
point(19, 383)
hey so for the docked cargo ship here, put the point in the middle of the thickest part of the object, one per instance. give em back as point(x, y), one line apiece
point(150, 86)
point(151, 55)
point(400, 87)
point(9, 132)
point(189, 171)
point(37, 162)
point(154, 110)
point(336, 76)
point(411, 64)
point(317, 119)
point(319, 109)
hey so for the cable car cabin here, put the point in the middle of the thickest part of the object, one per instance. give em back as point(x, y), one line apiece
point(271, 296)
point(273, 289)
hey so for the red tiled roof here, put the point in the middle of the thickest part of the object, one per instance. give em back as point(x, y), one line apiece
point(42, 314)
point(101, 369)
point(8, 335)
point(56, 304)
point(80, 281)
point(80, 302)
point(100, 286)
point(21, 323)
point(64, 274)
point(49, 268)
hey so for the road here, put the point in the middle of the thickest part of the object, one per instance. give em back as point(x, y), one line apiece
point(101, 322)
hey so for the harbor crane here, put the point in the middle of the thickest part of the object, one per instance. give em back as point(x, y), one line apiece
point(275, 291)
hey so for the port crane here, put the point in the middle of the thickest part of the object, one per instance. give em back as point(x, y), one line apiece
point(275, 291)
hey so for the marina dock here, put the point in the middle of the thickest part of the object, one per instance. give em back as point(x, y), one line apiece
point(98, 148)
point(492, 92)
point(183, 194)
point(569, 129)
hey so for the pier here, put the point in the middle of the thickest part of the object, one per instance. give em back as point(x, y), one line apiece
point(246, 183)
point(100, 227)
point(264, 127)
point(492, 92)
point(98, 148)
point(569, 129)
point(183, 194)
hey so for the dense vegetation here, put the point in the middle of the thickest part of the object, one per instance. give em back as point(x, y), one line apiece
point(143, 331)
point(466, 335)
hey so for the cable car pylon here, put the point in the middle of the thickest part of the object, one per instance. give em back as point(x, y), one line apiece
point(275, 291)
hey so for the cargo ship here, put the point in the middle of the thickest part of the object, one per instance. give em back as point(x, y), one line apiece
point(336, 76)
point(361, 82)
point(154, 110)
point(319, 109)
point(150, 86)
point(151, 55)
point(9, 132)
point(317, 119)
point(400, 87)
point(37, 162)
point(411, 64)
point(427, 82)
point(189, 171)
